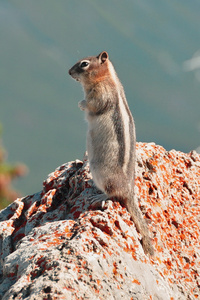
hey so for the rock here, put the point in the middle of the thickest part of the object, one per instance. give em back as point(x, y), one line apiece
point(54, 246)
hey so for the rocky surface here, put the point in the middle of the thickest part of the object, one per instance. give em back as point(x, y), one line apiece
point(54, 246)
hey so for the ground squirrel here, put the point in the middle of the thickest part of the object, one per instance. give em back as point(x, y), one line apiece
point(110, 137)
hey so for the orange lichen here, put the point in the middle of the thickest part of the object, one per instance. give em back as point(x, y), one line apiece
point(176, 217)
point(115, 272)
point(136, 281)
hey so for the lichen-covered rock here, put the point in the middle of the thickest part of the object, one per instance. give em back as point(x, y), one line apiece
point(53, 245)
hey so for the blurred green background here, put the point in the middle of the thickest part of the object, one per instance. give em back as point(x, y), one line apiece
point(154, 46)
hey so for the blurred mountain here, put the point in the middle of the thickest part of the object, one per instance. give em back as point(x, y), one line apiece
point(154, 46)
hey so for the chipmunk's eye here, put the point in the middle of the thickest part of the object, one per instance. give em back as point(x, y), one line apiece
point(84, 64)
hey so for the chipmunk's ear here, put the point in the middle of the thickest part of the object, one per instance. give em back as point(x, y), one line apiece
point(103, 56)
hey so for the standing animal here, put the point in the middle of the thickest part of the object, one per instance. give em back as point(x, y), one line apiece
point(111, 136)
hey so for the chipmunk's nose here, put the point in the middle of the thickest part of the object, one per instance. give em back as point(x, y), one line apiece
point(70, 73)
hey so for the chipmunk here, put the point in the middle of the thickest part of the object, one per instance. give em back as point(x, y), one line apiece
point(111, 136)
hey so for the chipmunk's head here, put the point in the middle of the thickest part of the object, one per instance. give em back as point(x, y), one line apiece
point(91, 69)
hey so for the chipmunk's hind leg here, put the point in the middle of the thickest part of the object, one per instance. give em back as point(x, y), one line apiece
point(98, 201)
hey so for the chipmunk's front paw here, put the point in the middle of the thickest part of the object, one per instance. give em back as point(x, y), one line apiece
point(82, 105)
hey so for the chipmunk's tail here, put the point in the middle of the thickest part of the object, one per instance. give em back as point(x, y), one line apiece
point(141, 226)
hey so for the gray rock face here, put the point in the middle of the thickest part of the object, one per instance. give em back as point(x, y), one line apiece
point(54, 246)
